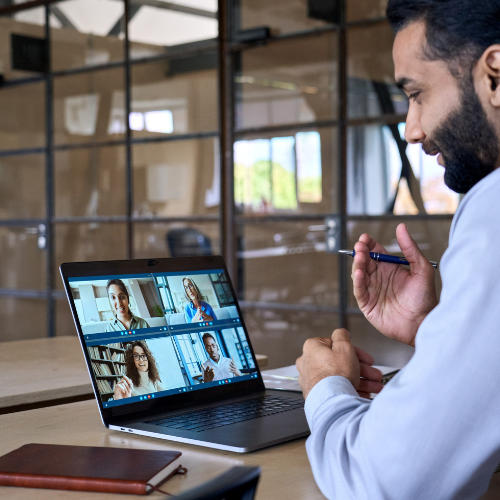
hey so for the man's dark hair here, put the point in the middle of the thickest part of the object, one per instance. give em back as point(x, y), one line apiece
point(207, 336)
point(457, 31)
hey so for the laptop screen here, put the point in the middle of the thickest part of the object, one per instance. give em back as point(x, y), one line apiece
point(153, 335)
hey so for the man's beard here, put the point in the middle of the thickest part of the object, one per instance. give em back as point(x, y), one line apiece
point(467, 142)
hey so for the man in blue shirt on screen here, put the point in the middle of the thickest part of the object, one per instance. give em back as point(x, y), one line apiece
point(433, 432)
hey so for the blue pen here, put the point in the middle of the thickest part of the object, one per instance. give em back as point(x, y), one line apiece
point(382, 257)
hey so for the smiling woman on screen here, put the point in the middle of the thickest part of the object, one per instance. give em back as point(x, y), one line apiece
point(119, 299)
point(196, 310)
point(142, 375)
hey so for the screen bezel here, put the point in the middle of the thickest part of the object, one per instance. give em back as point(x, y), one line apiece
point(165, 265)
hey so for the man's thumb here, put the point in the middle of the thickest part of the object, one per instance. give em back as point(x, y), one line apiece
point(410, 249)
point(341, 334)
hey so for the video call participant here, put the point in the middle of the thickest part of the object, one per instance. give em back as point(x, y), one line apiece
point(119, 299)
point(142, 375)
point(196, 310)
point(217, 367)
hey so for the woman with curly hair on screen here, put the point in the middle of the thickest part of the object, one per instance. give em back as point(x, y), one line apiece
point(142, 375)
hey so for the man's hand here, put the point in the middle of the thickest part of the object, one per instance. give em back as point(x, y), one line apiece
point(323, 357)
point(233, 368)
point(394, 299)
point(208, 374)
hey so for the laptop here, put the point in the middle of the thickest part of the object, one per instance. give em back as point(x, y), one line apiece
point(169, 354)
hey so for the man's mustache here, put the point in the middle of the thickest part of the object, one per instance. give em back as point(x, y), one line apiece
point(430, 148)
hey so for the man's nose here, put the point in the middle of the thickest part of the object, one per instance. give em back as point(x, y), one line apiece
point(413, 131)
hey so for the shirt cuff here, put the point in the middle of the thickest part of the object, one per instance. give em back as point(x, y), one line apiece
point(326, 389)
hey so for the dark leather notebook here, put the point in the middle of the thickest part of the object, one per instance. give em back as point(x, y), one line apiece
point(87, 468)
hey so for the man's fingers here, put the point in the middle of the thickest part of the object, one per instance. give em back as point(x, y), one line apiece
point(313, 343)
point(340, 335)
point(365, 395)
point(371, 244)
point(363, 356)
point(360, 287)
point(370, 373)
point(362, 259)
point(370, 386)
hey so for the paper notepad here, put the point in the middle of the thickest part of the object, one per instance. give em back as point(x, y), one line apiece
point(287, 378)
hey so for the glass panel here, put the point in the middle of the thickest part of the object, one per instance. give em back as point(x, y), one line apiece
point(177, 178)
point(286, 82)
point(176, 239)
point(286, 262)
point(86, 242)
point(22, 121)
point(430, 235)
point(385, 352)
point(90, 182)
point(357, 10)
point(286, 16)
point(64, 320)
point(287, 172)
point(29, 23)
point(23, 263)
point(86, 33)
point(153, 28)
point(22, 318)
point(89, 107)
point(370, 87)
point(22, 187)
point(280, 335)
point(175, 97)
point(377, 183)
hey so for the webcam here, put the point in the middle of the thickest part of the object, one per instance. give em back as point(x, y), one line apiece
point(152, 262)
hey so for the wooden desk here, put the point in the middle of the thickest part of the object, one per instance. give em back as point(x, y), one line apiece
point(42, 372)
point(286, 473)
point(45, 372)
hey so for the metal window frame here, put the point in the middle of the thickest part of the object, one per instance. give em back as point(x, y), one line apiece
point(232, 51)
point(51, 294)
point(229, 50)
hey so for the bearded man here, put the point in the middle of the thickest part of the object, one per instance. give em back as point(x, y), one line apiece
point(433, 432)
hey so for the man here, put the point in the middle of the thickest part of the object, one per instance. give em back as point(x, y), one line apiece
point(217, 367)
point(433, 432)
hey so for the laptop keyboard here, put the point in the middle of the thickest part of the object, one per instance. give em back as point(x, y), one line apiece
point(211, 418)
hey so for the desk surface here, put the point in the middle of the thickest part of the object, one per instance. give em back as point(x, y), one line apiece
point(286, 473)
point(285, 469)
point(39, 371)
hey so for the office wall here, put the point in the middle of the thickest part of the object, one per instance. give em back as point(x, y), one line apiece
point(309, 149)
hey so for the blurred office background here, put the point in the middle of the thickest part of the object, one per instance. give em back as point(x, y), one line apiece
point(133, 129)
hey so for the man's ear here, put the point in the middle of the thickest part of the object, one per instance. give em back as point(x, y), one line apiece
point(490, 65)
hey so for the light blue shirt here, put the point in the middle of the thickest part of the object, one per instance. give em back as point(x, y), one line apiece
point(434, 430)
point(190, 311)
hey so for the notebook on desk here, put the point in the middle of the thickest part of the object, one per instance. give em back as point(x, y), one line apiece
point(169, 354)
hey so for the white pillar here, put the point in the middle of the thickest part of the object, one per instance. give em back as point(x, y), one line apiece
point(89, 304)
point(136, 292)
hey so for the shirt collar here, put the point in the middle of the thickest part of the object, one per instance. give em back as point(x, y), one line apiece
point(132, 320)
point(214, 362)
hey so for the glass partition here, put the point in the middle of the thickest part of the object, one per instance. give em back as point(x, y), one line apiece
point(288, 82)
point(21, 187)
point(90, 182)
point(287, 172)
point(86, 33)
point(176, 178)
